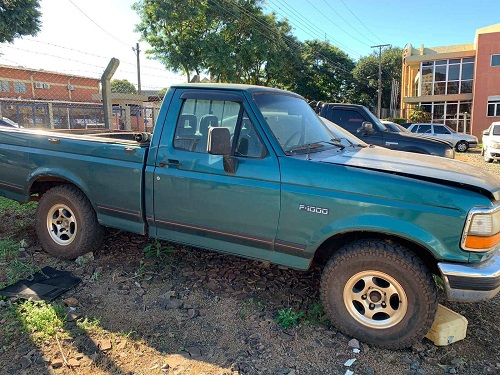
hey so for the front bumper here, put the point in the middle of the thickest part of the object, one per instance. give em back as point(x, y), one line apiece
point(472, 282)
point(494, 153)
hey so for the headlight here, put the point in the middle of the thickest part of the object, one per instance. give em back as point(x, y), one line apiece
point(495, 144)
point(482, 229)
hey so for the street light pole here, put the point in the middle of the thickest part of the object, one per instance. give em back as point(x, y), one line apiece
point(379, 104)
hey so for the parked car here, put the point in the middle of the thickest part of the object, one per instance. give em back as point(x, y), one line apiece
point(462, 142)
point(5, 121)
point(358, 120)
point(393, 127)
point(491, 142)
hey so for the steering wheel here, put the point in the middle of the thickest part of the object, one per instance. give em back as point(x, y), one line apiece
point(290, 139)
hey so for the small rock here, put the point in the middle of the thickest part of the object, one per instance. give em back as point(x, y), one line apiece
point(456, 361)
point(193, 313)
point(140, 292)
point(406, 360)
point(212, 285)
point(56, 363)
point(25, 362)
point(431, 361)
point(71, 302)
point(194, 352)
point(105, 344)
point(354, 343)
point(173, 304)
point(165, 367)
point(349, 362)
point(414, 365)
point(73, 362)
point(421, 372)
point(370, 371)
point(451, 370)
point(71, 317)
point(121, 346)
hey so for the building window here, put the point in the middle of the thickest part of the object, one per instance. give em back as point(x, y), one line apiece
point(4, 86)
point(495, 60)
point(447, 77)
point(454, 114)
point(20, 87)
point(493, 107)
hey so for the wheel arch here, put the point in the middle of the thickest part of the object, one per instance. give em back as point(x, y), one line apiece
point(40, 181)
point(334, 243)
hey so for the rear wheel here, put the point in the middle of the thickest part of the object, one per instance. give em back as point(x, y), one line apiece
point(380, 293)
point(67, 224)
point(462, 146)
point(486, 156)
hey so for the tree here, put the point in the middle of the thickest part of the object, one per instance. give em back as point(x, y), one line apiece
point(326, 73)
point(176, 31)
point(122, 86)
point(419, 114)
point(18, 18)
point(366, 75)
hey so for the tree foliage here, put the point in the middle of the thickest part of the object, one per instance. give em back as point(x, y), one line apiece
point(122, 86)
point(419, 114)
point(18, 18)
point(366, 75)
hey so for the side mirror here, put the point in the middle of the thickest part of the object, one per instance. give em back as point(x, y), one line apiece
point(486, 132)
point(366, 128)
point(219, 143)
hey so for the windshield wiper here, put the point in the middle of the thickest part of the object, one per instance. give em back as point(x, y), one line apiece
point(318, 144)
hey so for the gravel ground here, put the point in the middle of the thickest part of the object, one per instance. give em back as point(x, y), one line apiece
point(199, 312)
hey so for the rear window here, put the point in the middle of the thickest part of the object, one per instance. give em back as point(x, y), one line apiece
point(496, 130)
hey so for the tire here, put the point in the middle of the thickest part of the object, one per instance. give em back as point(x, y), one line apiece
point(462, 146)
point(486, 156)
point(66, 223)
point(386, 268)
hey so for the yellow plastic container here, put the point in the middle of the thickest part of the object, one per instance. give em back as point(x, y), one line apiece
point(448, 327)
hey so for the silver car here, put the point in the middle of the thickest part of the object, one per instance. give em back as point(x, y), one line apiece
point(462, 142)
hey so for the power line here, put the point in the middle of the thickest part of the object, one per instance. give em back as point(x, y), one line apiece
point(347, 23)
point(100, 27)
point(269, 37)
point(361, 22)
point(321, 33)
point(333, 23)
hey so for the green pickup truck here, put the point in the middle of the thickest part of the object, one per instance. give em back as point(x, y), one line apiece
point(253, 171)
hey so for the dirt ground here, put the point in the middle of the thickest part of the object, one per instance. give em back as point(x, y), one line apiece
point(197, 312)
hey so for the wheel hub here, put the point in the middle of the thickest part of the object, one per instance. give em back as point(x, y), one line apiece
point(375, 299)
point(61, 224)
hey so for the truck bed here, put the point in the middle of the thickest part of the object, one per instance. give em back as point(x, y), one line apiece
point(109, 171)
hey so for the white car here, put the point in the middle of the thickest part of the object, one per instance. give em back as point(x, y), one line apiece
point(462, 142)
point(491, 142)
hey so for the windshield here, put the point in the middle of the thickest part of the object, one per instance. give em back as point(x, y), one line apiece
point(295, 125)
point(9, 121)
point(346, 138)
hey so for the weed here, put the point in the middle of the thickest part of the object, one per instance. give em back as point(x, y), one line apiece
point(439, 282)
point(41, 319)
point(95, 277)
point(288, 318)
point(156, 250)
point(88, 325)
point(15, 268)
point(316, 316)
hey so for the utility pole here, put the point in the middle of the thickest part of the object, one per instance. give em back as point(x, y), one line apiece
point(379, 104)
point(137, 51)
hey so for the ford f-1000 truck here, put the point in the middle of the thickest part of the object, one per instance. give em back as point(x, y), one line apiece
point(253, 171)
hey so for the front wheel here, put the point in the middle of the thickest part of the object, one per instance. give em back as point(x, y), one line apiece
point(380, 293)
point(462, 146)
point(486, 156)
point(66, 223)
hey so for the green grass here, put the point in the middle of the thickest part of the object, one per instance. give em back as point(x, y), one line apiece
point(156, 250)
point(89, 325)
point(12, 207)
point(42, 320)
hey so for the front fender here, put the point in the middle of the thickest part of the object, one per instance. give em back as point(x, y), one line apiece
point(383, 224)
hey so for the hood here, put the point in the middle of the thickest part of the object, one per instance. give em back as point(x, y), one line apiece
point(421, 167)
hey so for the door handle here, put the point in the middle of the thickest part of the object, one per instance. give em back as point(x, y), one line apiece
point(129, 150)
point(54, 140)
point(170, 163)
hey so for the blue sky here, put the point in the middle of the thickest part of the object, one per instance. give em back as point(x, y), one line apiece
point(80, 36)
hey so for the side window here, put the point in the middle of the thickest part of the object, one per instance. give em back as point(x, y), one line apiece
point(197, 117)
point(249, 143)
point(440, 130)
point(424, 129)
point(349, 120)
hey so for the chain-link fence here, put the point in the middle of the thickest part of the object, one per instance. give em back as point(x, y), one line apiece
point(36, 98)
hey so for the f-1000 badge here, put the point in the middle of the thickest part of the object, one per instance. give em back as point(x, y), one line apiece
point(313, 209)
